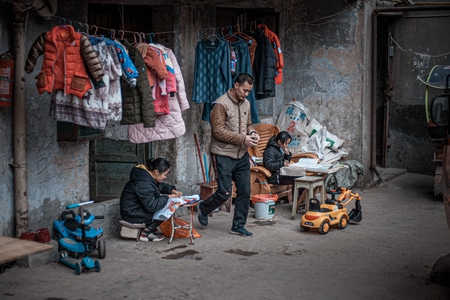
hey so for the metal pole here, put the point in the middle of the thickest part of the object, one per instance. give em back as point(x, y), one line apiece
point(19, 115)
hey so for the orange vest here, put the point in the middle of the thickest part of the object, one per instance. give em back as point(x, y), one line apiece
point(63, 67)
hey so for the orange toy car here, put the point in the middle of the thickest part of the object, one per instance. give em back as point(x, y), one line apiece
point(332, 212)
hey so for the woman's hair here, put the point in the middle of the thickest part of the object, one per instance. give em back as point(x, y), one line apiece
point(159, 164)
point(282, 136)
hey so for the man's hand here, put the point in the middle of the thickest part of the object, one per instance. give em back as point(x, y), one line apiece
point(251, 141)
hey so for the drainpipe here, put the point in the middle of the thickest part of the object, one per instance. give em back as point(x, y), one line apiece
point(375, 13)
point(19, 115)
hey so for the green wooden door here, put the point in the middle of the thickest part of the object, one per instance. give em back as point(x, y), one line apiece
point(110, 163)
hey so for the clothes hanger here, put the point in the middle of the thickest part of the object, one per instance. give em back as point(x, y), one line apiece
point(231, 36)
point(94, 27)
point(151, 36)
point(212, 37)
point(122, 33)
point(83, 32)
point(136, 34)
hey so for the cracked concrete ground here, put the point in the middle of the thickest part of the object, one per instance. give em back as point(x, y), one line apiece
point(388, 255)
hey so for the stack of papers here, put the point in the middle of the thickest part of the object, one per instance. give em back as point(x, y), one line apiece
point(312, 165)
point(172, 205)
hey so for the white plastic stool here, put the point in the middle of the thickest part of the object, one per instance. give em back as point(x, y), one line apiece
point(309, 183)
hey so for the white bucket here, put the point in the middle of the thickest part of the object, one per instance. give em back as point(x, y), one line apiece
point(264, 210)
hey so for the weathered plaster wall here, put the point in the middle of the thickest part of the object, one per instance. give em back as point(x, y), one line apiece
point(323, 70)
point(57, 172)
point(324, 43)
point(6, 138)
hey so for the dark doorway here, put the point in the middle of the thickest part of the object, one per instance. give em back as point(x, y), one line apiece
point(110, 161)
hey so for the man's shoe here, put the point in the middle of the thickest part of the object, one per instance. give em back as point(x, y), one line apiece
point(241, 231)
point(202, 219)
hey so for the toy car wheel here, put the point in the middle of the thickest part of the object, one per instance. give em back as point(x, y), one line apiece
point(101, 249)
point(97, 266)
point(324, 227)
point(304, 228)
point(342, 222)
point(78, 268)
point(63, 254)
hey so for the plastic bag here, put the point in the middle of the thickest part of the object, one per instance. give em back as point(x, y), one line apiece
point(317, 143)
point(166, 228)
point(294, 118)
point(333, 142)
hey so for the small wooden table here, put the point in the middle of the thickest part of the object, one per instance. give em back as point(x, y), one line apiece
point(12, 248)
point(190, 226)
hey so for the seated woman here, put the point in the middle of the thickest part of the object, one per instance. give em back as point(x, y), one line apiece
point(276, 156)
point(145, 194)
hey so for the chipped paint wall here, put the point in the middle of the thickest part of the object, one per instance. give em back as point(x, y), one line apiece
point(57, 172)
point(324, 69)
point(325, 56)
point(6, 138)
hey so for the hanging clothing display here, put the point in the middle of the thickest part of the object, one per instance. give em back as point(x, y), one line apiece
point(137, 101)
point(167, 126)
point(243, 65)
point(276, 46)
point(93, 108)
point(251, 43)
point(63, 68)
point(155, 68)
point(171, 81)
point(157, 74)
point(128, 68)
point(264, 66)
point(114, 98)
point(212, 74)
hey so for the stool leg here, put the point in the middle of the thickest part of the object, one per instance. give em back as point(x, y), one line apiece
point(138, 237)
point(172, 221)
point(191, 225)
point(310, 195)
point(294, 202)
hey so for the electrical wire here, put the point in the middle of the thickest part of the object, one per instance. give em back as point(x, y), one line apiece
point(412, 51)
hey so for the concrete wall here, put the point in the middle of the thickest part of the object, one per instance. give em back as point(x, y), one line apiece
point(6, 138)
point(323, 66)
point(325, 56)
point(326, 68)
point(57, 172)
point(419, 43)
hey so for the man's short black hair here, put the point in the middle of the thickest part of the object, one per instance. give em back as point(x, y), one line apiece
point(244, 77)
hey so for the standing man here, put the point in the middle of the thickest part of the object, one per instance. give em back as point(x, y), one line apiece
point(232, 133)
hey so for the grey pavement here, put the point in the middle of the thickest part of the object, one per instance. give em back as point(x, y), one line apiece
point(388, 255)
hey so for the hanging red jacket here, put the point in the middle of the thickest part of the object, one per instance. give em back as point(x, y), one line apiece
point(273, 38)
point(65, 54)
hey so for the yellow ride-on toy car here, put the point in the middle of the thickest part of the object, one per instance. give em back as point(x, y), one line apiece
point(332, 212)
